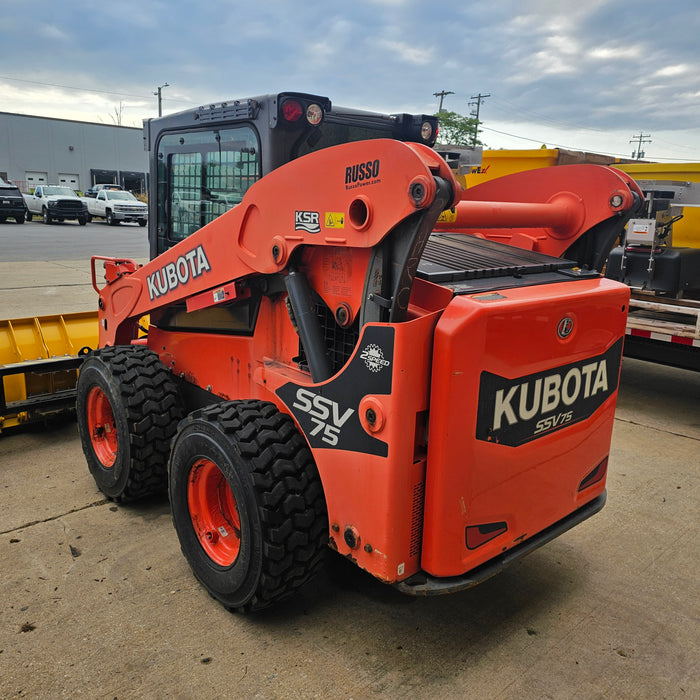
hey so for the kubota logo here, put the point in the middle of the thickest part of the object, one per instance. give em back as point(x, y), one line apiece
point(188, 266)
point(565, 326)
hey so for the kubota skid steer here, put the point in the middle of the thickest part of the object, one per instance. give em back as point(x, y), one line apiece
point(431, 405)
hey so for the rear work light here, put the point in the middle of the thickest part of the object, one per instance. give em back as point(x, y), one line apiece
point(314, 114)
point(426, 131)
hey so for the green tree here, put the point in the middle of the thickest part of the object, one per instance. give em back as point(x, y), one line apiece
point(458, 129)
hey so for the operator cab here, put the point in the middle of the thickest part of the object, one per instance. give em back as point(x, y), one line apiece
point(203, 161)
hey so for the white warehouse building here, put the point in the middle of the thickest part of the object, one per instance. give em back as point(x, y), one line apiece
point(43, 151)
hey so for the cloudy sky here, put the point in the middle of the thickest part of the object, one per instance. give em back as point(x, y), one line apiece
point(587, 75)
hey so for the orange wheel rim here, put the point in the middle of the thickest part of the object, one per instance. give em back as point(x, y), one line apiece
point(213, 512)
point(103, 431)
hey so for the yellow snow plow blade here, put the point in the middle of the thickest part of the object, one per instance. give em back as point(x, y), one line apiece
point(39, 361)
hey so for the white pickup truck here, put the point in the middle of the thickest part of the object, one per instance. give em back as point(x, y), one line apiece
point(55, 203)
point(116, 206)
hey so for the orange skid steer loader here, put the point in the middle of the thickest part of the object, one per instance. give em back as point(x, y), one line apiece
point(347, 349)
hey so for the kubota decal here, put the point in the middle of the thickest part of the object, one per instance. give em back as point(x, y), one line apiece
point(515, 411)
point(192, 264)
point(362, 174)
point(307, 221)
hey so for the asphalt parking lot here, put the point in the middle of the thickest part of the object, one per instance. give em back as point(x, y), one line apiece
point(97, 600)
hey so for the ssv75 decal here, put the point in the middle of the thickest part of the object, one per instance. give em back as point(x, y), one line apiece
point(515, 411)
point(328, 413)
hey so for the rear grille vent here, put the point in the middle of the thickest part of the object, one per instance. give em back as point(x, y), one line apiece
point(340, 342)
point(456, 257)
point(417, 519)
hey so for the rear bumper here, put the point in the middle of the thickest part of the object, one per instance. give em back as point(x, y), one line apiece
point(423, 584)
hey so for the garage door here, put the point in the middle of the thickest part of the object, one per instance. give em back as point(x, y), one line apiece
point(69, 180)
point(36, 178)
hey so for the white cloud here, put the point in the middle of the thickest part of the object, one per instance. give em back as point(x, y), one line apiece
point(671, 71)
point(407, 52)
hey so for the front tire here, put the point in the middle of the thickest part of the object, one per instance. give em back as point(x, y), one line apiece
point(128, 408)
point(46, 216)
point(19, 219)
point(82, 220)
point(247, 503)
point(29, 216)
point(111, 221)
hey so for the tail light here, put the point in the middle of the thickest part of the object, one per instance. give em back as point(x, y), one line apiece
point(292, 110)
point(476, 535)
point(595, 476)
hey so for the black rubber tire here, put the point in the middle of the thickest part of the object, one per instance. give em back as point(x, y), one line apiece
point(111, 221)
point(29, 216)
point(146, 407)
point(82, 220)
point(19, 219)
point(142, 222)
point(46, 216)
point(279, 498)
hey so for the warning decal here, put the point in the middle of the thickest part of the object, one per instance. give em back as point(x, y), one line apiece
point(334, 219)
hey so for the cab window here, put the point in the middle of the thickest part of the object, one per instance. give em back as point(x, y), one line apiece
point(201, 175)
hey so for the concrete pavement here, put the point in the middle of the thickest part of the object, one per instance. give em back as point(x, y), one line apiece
point(97, 601)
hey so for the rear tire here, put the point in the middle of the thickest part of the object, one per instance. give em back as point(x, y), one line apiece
point(128, 408)
point(247, 503)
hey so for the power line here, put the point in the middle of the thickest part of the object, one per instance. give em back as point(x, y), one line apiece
point(639, 140)
point(441, 95)
point(475, 113)
point(574, 148)
point(81, 89)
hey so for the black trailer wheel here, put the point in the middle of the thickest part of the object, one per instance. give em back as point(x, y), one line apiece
point(128, 409)
point(247, 503)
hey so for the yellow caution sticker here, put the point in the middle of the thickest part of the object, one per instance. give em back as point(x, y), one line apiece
point(334, 219)
point(448, 216)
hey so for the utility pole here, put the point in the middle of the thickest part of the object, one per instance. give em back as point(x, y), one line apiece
point(639, 140)
point(441, 95)
point(160, 100)
point(475, 113)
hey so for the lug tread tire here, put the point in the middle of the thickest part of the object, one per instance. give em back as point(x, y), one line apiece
point(149, 401)
point(285, 485)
